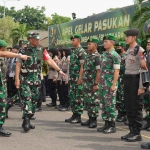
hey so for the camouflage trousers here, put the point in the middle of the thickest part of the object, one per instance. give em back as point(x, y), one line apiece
point(13, 100)
point(147, 108)
point(108, 104)
point(91, 100)
point(120, 103)
point(3, 96)
point(76, 98)
point(29, 95)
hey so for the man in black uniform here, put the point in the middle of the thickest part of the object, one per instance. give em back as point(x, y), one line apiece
point(132, 88)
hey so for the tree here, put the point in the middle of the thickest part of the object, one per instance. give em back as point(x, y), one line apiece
point(57, 19)
point(47, 23)
point(111, 9)
point(31, 17)
point(19, 33)
point(140, 17)
point(6, 25)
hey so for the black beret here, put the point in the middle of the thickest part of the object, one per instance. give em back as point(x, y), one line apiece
point(132, 32)
point(16, 47)
point(66, 49)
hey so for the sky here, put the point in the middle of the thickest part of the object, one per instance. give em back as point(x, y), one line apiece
point(82, 8)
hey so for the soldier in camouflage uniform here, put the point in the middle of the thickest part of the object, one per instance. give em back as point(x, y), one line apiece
point(91, 79)
point(120, 105)
point(77, 58)
point(28, 77)
point(110, 65)
point(3, 86)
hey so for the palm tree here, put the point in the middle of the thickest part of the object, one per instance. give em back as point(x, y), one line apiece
point(19, 33)
point(141, 16)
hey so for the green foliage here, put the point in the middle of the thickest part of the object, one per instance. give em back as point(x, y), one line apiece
point(140, 17)
point(7, 24)
point(57, 19)
point(19, 33)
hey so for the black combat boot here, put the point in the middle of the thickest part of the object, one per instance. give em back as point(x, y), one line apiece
point(32, 117)
point(121, 117)
point(86, 123)
point(4, 132)
point(126, 122)
point(76, 119)
point(145, 145)
point(31, 126)
point(7, 108)
point(104, 127)
point(136, 136)
point(93, 122)
point(26, 124)
point(128, 135)
point(70, 119)
point(111, 128)
point(147, 125)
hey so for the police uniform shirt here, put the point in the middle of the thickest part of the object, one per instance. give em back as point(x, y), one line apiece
point(132, 62)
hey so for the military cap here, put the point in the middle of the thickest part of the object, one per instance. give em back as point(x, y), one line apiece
point(79, 36)
point(3, 43)
point(132, 32)
point(94, 40)
point(34, 35)
point(66, 49)
point(25, 42)
point(121, 43)
point(138, 41)
point(16, 47)
point(109, 37)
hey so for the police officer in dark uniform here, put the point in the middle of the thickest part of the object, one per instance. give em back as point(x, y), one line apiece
point(135, 60)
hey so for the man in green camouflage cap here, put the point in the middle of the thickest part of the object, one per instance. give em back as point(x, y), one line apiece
point(3, 87)
point(28, 77)
point(120, 104)
point(77, 59)
point(23, 43)
point(110, 66)
point(90, 83)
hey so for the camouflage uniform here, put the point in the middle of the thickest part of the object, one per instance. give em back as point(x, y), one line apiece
point(120, 105)
point(3, 90)
point(30, 78)
point(76, 95)
point(91, 98)
point(109, 61)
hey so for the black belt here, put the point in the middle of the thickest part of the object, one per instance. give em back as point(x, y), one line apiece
point(131, 75)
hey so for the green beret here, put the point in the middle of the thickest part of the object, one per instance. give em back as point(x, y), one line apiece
point(94, 40)
point(25, 42)
point(138, 41)
point(3, 43)
point(132, 32)
point(122, 44)
point(34, 35)
point(79, 36)
point(109, 37)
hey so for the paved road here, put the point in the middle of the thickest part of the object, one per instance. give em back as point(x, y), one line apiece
point(52, 133)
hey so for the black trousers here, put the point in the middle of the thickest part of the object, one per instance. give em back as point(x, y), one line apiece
point(52, 86)
point(59, 91)
point(133, 102)
point(42, 96)
point(65, 94)
point(11, 88)
point(46, 85)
